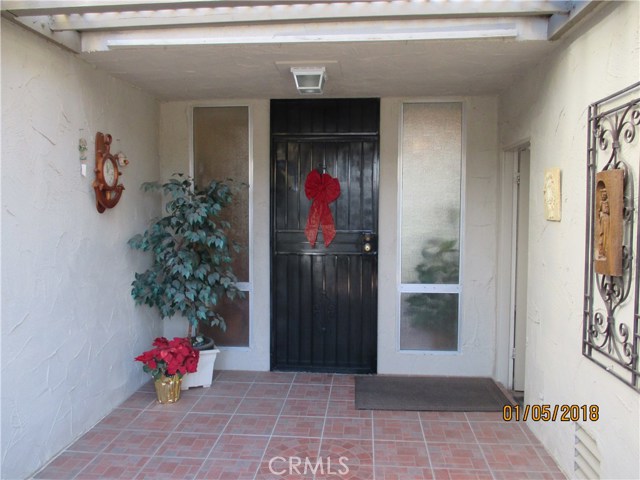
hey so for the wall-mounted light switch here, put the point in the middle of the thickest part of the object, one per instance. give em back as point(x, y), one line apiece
point(83, 170)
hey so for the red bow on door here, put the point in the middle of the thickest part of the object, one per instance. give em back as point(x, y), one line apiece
point(322, 189)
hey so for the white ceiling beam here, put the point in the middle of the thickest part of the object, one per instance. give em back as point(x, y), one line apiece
point(303, 12)
point(41, 25)
point(67, 7)
point(560, 23)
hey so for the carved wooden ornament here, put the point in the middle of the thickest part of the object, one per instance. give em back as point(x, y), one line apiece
point(607, 242)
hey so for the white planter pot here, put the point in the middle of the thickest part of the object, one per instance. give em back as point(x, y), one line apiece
point(204, 375)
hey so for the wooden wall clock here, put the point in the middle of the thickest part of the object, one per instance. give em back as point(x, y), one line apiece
point(108, 191)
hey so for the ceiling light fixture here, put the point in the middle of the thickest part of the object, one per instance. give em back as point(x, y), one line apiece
point(309, 80)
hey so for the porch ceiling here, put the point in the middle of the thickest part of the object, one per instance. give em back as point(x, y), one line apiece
point(197, 49)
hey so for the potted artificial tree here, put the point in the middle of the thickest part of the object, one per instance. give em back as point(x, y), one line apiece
point(191, 269)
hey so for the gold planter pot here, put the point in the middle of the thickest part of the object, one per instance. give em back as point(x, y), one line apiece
point(168, 389)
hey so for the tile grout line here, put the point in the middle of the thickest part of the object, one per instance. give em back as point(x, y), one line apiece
point(284, 401)
point(101, 452)
point(484, 457)
point(221, 431)
point(426, 446)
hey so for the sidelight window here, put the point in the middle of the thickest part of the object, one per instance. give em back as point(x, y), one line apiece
point(221, 151)
point(430, 206)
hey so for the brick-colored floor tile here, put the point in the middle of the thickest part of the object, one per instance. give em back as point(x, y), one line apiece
point(214, 404)
point(461, 474)
point(275, 377)
point(251, 424)
point(223, 432)
point(140, 400)
point(183, 405)
point(344, 471)
point(389, 472)
point(269, 390)
point(190, 445)
point(342, 392)
point(228, 389)
point(162, 421)
point(240, 447)
point(515, 458)
point(519, 475)
point(310, 427)
point(94, 440)
point(227, 469)
point(466, 456)
point(203, 423)
point(396, 415)
point(443, 416)
point(406, 454)
point(345, 380)
point(352, 428)
point(449, 432)
point(133, 442)
point(120, 418)
point(310, 392)
point(499, 432)
point(358, 452)
point(305, 408)
point(236, 376)
point(292, 447)
point(113, 467)
point(167, 468)
point(314, 378)
point(260, 406)
point(66, 465)
point(402, 430)
point(484, 416)
point(346, 409)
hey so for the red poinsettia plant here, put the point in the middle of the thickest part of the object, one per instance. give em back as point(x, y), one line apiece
point(170, 357)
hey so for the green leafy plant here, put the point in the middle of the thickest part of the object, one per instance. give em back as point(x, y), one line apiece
point(191, 270)
point(440, 265)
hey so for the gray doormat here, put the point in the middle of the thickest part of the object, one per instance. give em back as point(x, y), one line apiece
point(449, 394)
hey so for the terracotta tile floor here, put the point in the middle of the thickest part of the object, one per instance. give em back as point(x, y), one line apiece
point(269, 425)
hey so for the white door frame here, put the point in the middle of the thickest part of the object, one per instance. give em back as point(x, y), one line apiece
point(507, 264)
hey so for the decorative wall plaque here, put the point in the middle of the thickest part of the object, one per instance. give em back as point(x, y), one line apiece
point(552, 194)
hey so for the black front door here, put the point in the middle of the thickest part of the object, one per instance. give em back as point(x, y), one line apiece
point(324, 299)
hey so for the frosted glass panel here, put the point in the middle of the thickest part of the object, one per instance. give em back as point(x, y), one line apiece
point(429, 321)
point(236, 314)
point(221, 151)
point(431, 172)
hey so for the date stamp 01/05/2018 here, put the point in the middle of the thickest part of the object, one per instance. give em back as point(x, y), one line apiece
point(551, 413)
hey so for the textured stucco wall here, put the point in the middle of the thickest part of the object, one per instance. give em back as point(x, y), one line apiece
point(550, 107)
point(70, 329)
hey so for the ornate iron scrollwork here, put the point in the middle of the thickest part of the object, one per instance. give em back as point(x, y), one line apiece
point(611, 332)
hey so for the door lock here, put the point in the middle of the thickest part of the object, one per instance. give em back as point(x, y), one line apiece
point(369, 242)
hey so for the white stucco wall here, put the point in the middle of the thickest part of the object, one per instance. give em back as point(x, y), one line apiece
point(70, 329)
point(550, 107)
